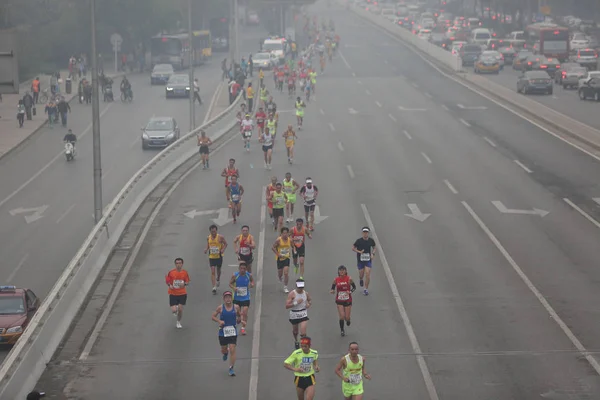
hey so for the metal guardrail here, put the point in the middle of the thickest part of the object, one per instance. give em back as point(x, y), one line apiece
point(27, 360)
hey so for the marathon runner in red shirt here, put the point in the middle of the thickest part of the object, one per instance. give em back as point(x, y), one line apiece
point(260, 120)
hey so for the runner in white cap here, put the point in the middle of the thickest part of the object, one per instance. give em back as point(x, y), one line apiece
point(309, 193)
point(298, 302)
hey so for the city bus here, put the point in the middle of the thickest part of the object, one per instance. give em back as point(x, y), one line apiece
point(174, 49)
point(553, 39)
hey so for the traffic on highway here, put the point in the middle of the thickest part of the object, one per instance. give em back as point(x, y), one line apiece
point(367, 214)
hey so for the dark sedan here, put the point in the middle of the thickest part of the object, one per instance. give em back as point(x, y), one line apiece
point(178, 86)
point(161, 74)
point(534, 82)
point(159, 132)
point(550, 65)
point(590, 89)
point(470, 53)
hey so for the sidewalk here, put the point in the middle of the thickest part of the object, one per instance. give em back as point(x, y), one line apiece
point(11, 136)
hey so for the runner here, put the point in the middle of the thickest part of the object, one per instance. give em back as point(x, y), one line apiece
point(304, 364)
point(264, 93)
point(282, 249)
point(240, 283)
point(271, 189)
point(235, 191)
point(279, 200)
point(177, 279)
point(300, 106)
point(229, 171)
point(203, 143)
point(280, 79)
point(290, 187)
point(267, 146)
point(298, 236)
point(291, 81)
point(309, 193)
point(247, 125)
point(351, 370)
point(290, 139)
point(271, 106)
point(298, 302)
point(272, 125)
point(364, 247)
point(244, 246)
point(227, 315)
point(344, 286)
point(217, 244)
point(260, 120)
point(313, 80)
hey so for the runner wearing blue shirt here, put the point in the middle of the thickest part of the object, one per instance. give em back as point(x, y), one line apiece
point(241, 282)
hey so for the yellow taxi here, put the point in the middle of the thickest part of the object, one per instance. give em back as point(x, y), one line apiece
point(487, 64)
point(17, 307)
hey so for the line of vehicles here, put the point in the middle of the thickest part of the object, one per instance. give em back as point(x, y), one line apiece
point(545, 53)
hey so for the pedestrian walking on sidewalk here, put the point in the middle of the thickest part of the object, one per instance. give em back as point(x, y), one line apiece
point(35, 88)
point(21, 113)
point(63, 107)
point(51, 111)
point(28, 103)
point(197, 92)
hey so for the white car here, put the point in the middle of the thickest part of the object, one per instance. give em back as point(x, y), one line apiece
point(496, 54)
point(424, 34)
point(579, 41)
point(590, 75)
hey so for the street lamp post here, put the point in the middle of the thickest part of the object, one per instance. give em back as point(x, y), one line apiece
point(192, 50)
point(96, 122)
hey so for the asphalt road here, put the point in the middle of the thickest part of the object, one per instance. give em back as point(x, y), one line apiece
point(498, 302)
point(565, 101)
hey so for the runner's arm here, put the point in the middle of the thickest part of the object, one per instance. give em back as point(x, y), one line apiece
point(206, 249)
point(251, 281)
point(274, 248)
point(224, 243)
point(340, 367)
point(332, 291)
point(364, 370)
point(227, 193)
point(216, 314)
point(241, 190)
point(289, 303)
point(232, 281)
point(308, 300)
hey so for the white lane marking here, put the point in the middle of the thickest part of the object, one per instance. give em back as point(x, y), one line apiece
point(489, 141)
point(17, 268)
point(426, 157)
point(331, 127)
point(416, 348)
point(87, 130)
point(392, 117)
point(258, 278)
point(580, 211)
point(65, 213)
point(553, 315)
point(520, 164)
point(597, 200)
point(105, 172)
point(445, 107)
point(134, 142)
point(367, 91)
point(213, 101)
point(485, 96)
point(350, 171)
point(136, 249)
point(452, 188)
point(415, 85)
point(465, 123)
point(359, 82)
point(428, 94)
point(378, 104)
point(344, 59)
point(407, 134)
point(321, 111)
point(340, 146)
point(354, 74)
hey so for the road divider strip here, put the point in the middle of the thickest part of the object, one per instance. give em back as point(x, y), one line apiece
point(27, 360)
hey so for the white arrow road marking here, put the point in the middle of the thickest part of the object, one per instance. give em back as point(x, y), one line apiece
point(223, 218)
point(415, 213)
point(35, 213)
point(502, 208)
point(352, 111)
point(597, 200)
point(471, 108)
point(195, 213)
point(411, 109)
point(318, 217)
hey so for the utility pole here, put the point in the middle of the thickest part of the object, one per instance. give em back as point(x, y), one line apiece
point(232, 24)
point(96, 122)
point(237, 29)
point(192, 57)
point(281, 21)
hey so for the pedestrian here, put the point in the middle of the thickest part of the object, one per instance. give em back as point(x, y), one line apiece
point(20, 113)
point(225, 74)
point(53, 84)
point(35, 88)
point(250, 96)
point(80, 90)
point(87, 92)
point(63, 107)
point(51, 111)
point(197, 92)
point(28, 103)
point(250, 65)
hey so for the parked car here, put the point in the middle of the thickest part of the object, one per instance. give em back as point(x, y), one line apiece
point(534, 82)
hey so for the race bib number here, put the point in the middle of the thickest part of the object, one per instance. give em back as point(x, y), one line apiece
point(178, 284)
point(215, 250)
point(229, 179)
point(365, 257)
point(242, 291)
point(355, 379)
point(289, 189)
point(247, 134)
point(343, 296)
point(298, 239)
point(229, 331)
point(298, 314)
point(280, 201)
point(244, 251)
point(284, 252)
point(305, 367)
point(260, 120)
point(235, 197)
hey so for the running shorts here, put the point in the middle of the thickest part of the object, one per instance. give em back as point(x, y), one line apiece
point(175, 300)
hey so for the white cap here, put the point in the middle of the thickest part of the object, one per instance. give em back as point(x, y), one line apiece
point(309, 180)
point(300, 284)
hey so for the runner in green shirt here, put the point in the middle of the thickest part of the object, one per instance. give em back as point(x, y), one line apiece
point(304, 364)
point(351, 369)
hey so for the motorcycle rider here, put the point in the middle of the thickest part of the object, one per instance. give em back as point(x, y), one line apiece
point(70, 138)
point(126, 87)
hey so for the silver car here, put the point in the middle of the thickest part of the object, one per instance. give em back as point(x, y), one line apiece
point(161, 74)
point(264, 60)
point(159, 132)
point(570, 75)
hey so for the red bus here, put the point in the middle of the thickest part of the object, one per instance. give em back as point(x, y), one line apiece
point(553, 39)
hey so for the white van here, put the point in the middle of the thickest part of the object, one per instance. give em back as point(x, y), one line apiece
point(480, 36)
point(275, 46)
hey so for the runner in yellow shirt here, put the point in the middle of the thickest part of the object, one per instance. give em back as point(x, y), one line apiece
point(290, 139)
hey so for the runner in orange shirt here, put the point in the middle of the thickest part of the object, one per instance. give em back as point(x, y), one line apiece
point(177, 279)
point(271, 189)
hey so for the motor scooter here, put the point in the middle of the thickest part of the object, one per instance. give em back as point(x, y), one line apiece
point(69, 151)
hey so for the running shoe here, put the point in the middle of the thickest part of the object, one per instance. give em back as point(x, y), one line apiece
point(231, 373)
point(225, 356)
point(178, 325)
